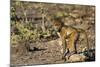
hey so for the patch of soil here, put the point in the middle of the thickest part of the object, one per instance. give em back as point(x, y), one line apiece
point(46, 53)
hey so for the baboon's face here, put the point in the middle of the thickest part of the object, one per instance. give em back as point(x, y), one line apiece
point(56, 25)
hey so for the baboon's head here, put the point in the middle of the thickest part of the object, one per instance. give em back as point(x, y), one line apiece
point(57, 24)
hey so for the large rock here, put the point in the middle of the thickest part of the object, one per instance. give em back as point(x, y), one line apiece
point(77, 58)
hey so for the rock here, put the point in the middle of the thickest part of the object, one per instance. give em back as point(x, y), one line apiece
point(77, 58)
point(59, 42)
point(77, 13)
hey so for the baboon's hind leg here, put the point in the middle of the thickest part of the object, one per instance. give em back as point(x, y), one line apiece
point(72, 43)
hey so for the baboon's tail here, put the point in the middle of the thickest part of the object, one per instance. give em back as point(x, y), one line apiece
point(87, 41)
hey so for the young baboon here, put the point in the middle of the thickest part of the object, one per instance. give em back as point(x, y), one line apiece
point(68, 32)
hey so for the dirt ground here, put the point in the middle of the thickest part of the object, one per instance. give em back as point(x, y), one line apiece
point(44, 53)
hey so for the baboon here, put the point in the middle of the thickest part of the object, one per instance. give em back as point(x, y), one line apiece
point(68, 32)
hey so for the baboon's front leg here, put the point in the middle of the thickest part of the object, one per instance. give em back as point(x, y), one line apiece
point(64, 48)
